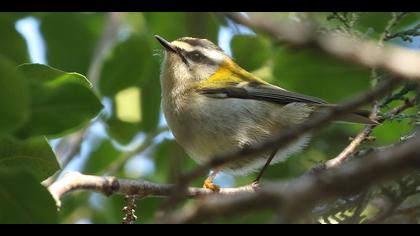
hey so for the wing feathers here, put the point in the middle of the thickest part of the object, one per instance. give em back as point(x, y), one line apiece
point(263, 92)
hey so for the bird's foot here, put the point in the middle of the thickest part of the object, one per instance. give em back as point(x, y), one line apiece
point(256, 185)
point(208, 184)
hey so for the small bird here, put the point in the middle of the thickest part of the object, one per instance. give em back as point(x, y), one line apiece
point(213, 106)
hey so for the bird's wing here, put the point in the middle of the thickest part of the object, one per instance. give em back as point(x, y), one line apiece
point(257, 91)
point(231, 81)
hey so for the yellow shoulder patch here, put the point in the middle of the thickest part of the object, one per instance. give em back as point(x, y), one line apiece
point(227, 75)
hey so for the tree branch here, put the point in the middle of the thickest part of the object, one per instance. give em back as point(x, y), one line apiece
point(297, 197)
point(397, 60)
point(361, 137)
point(351, 148)
point(69, 147)
point(108, 185)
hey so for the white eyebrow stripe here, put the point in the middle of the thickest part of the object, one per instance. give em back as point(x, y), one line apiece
point(185, 46)
point(213, 55)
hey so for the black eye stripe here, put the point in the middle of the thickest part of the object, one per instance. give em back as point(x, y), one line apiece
point(194, 56)
point(181, 53)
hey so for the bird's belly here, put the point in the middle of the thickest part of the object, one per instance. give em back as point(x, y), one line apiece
point(210, 126)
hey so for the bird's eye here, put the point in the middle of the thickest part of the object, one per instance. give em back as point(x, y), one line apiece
point(196, 56)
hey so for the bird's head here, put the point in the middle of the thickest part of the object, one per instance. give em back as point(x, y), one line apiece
point(194, 62)
point(192, 58)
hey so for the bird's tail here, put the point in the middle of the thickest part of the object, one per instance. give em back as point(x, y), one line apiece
point(358, 116)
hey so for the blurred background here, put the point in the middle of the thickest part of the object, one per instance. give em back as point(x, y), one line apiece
point(129, 139)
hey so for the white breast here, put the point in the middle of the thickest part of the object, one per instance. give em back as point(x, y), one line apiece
point(206, 127)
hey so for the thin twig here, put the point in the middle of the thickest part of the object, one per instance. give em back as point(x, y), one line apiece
point(351, 148)
point(343, 18)
point(295, 198)
point(361, 137)
point(396, 18)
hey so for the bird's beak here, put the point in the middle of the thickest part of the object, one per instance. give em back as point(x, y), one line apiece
point(167, 45)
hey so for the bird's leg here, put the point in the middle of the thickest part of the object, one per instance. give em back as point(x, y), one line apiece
point(265, 166)
point(208, 183)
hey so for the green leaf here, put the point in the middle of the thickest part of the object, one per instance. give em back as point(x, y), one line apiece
point(34, 154)
point(134, 87)
point(14, 98)
point(47, 74)
point(242, 45)
point(379, 20)
point(203, 25)
point(71, 206)
point(24, 200)
point(169, 25)
point(173, 25)
point(122, 132)
point(150, 100)
point(135, 109)
point(61, 102)
point(318, 75)
point(103, 155)
point(408, 20)
point(12, 44)
point(391, 131)
point(126, 66)
point(373, 21)
point(71, 39)
point(170, 160)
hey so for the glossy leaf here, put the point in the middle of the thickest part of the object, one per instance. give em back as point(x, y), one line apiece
point(170, 160)
point(71, 39)
point(12, 44)
point(204, 25)
point(378, 21)
point(173, 25)
point(169, 25)
point(242, 45)
point(122, 132)
point(318, 75)
point(126, 66)
point(61, 102)
point(408, 20)
point(34, 154)
point(14, 97)
point(134, 87)
point(101, 157)
point(24, 200)
point(150, 99)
